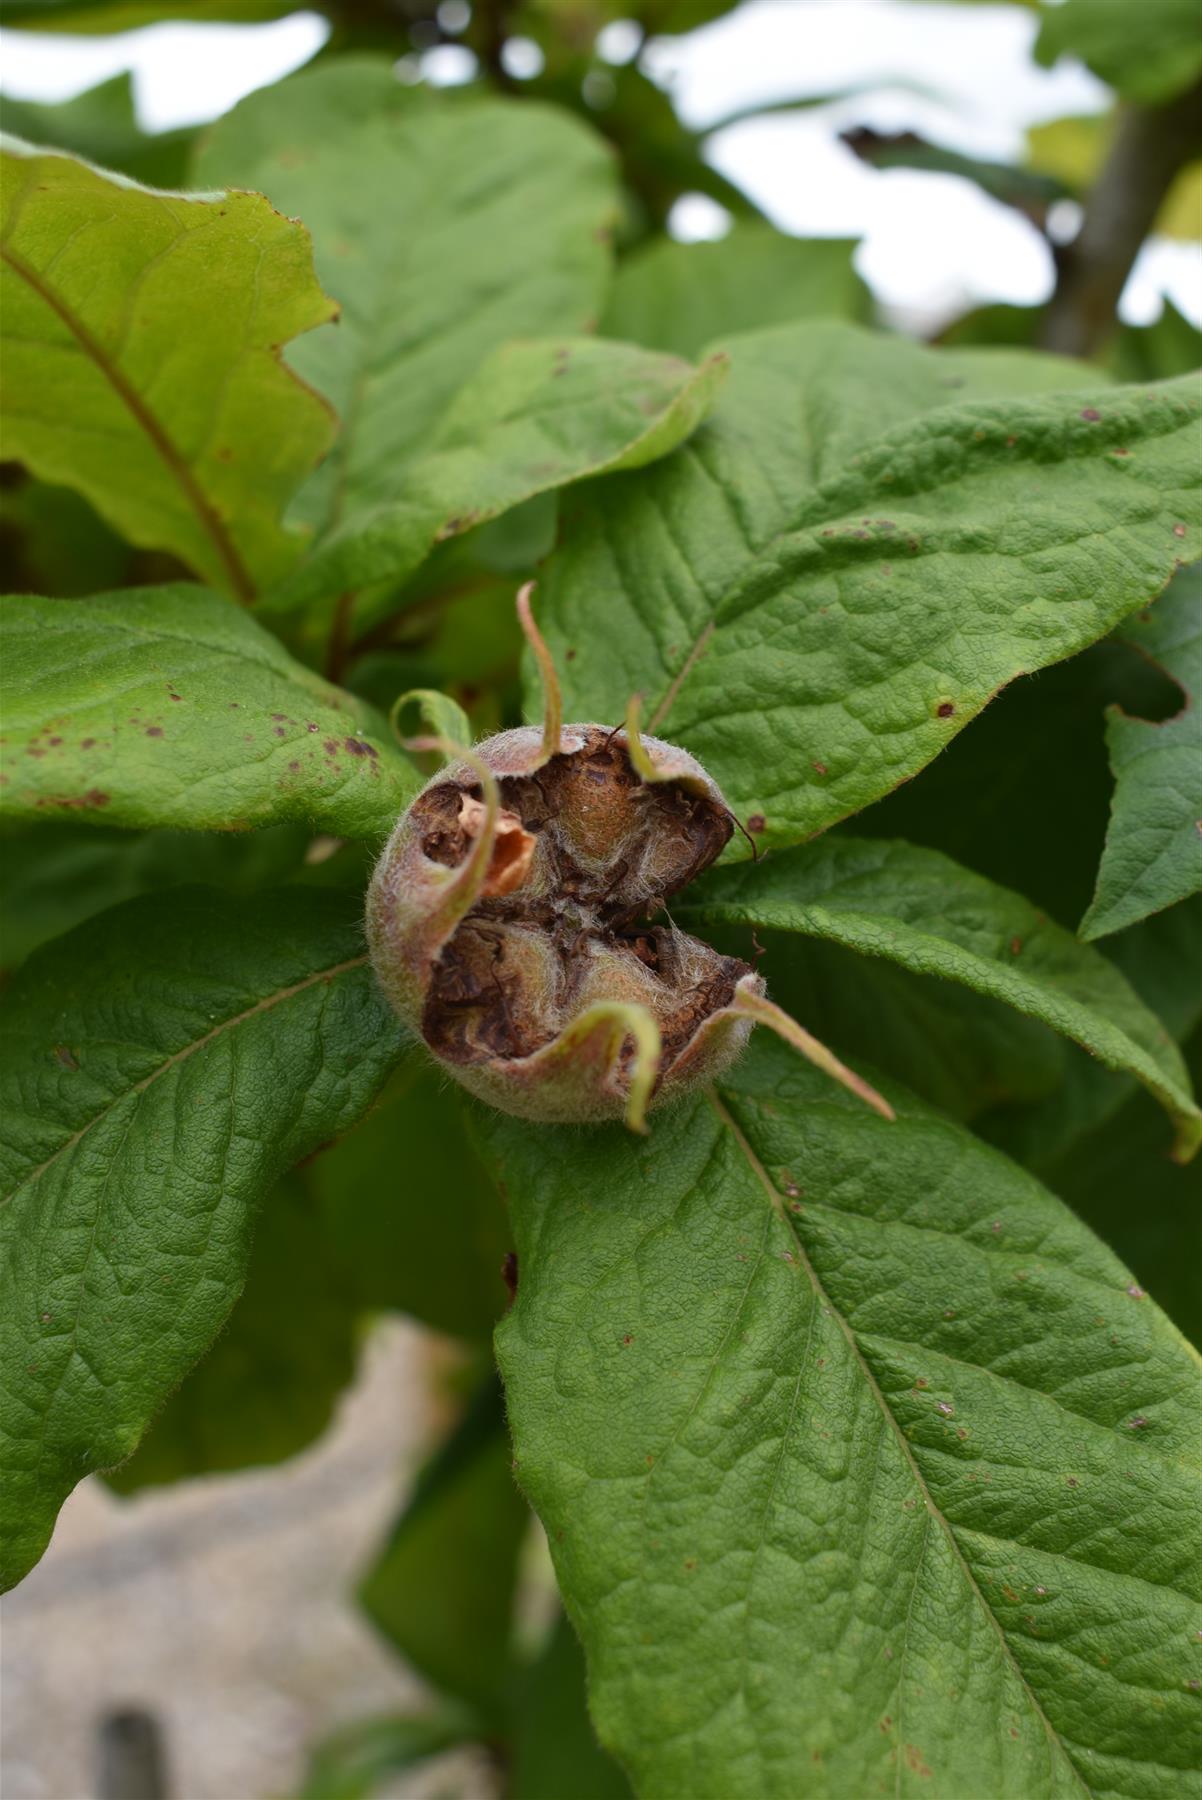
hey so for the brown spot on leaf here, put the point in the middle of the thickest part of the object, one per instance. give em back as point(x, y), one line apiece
point(1091, 413)
point(914, 1758)
point(154, 731)
point(756, 822)
point(65, 1060)
point(945, 709)
point(358, 748)
point(93, 797)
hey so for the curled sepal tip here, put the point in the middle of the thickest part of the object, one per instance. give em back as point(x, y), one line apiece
point(766, 1012)
point(552, 696)
point(605, 1026)
point(444, 716)
point(636, 750)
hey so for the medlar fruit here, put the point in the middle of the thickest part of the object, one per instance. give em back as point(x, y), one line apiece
point(512, 921)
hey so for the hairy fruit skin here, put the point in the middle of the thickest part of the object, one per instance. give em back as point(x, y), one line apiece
point(522, 981)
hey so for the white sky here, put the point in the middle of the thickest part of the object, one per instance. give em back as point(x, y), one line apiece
point(932, 245)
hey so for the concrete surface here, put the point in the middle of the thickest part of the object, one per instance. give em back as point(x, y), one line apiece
point(221, 1605)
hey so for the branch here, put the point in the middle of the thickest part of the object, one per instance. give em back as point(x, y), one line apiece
point(1150, 147)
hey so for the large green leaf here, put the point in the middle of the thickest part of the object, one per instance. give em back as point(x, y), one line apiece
point(169, 706)
point(1149, 52)
point(442, 1589)
point(865, 1467)
point(859, 547)
point(141, 344)
point(268, 1386)
point(1153, 853)
point(920, 909)
point(410, 1217)
point(159, 1068)
point(683, 296)
point(534, 417)
point(444, 226)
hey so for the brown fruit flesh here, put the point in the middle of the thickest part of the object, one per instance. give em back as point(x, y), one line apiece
point(599, 850)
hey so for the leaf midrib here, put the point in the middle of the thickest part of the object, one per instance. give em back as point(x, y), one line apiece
point(822, 1298)
point(169, 454)
point(180, 1056)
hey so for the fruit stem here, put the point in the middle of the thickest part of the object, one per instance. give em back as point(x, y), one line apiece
point(766, 1012)
point(552, 696)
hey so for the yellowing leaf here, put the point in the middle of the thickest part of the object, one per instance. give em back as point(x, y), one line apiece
point(141, 335)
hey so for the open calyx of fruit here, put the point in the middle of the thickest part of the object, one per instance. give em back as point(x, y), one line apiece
point(514, 921)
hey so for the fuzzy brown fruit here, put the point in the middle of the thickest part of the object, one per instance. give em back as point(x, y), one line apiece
point(526, 995)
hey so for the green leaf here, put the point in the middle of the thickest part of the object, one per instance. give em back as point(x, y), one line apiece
point(1126, 1159)
point(428, 1236)
point(682, 297)
point(1153, 853)
point(841, 568)
point(920, 909)
point(442, 1590)
point(1161, 958)
point(268, 1386)
point(863, 1464)
point(1037, 753)
point(443, 225)
point(555, 1750)
point(54, 877)
point(159, 1068)
point(142, 367)
point(169, 706)
point(534, 417)
point(1148, 54)
point(353, 1762)
point(106, 16)
point(101, 125)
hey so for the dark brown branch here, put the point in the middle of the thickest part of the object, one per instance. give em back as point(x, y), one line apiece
point(1150, 147)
